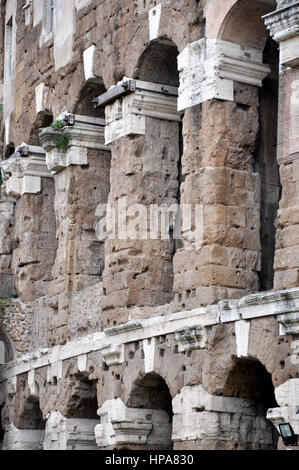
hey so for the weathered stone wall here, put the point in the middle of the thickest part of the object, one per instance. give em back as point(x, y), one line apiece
point(144, 171)
point(79, 259)
point(218, 168)
point(34, 242)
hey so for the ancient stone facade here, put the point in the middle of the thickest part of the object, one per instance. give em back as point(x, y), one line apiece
point(149, 220)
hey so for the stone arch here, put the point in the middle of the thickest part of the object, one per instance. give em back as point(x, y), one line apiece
point(43, 119)
point(249, 379)
point(78, 397)
point(30, 415)
point(158, 63)
point(83, 105)
point(150, 391)
point(244, 25)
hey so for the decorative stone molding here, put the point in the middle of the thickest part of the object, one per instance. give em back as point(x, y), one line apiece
point(149, 350)
point(242, 331)
point(126, 115)
point(42, 98)
point(22, 439)
point(191, 338)
point(24, 169)
point(283, 24)
point(288, 323)
point(80, 133)
point(113, 354)
point(32, 384)
point(122, 425)
point(154, 18)
point(287, 397)
point(88, 62)
point(209, 67)
point(199, 415)
point(69, 433)
point(260, 305)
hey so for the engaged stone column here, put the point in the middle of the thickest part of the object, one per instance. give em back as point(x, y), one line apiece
point(80, 161)
point(69, 433)
point(221, 253)
point(204, 422)
point(284, 27)
point(143, 128)
point(33, 241)
point(22, 439)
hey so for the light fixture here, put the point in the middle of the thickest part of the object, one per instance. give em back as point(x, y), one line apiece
point(288, 436)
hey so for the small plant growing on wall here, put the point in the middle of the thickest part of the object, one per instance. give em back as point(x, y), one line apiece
point(58, 124)
point(62, 142)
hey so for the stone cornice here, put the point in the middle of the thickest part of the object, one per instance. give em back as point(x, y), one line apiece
point(23, 170)
point(283, 23)
point(284, 305)
point(80, 133)
point(209, 67)
point(126, 115)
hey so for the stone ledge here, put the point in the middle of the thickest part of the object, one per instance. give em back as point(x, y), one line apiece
point(209, 67)
point(24, 169)
point(80, 133)
point(227, 311)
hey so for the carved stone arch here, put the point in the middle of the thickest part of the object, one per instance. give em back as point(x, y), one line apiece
point(158, 63)
point(244, 25)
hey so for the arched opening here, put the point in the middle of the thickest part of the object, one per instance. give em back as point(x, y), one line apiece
point(249, 379)
point(9, 150)
point(82, 400)
point(44, 119)
point(266, 164)
point(158, 64)
point(84, 105)
point(244, 26)
point(152, 393)
point(31, 416)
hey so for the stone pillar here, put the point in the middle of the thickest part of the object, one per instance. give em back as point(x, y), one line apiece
point(143, 128)
point(80, 161)
point(283, 26)
point(69, 433)
point(22, 439)
point(204, 422)
point(33, 239)
point(221, 255)
point(135, 428)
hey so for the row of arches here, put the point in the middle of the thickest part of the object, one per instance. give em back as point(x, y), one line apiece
point(248, 379)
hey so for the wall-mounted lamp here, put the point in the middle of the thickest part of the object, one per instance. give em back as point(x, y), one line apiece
point(288, 436)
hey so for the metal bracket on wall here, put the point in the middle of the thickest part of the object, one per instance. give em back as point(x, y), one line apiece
point(130, 86)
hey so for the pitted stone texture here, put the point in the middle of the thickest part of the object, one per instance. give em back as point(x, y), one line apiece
point(80, 255)
point(7, 205)
point(34, 242)
point(219, 175)
point(144, 170)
